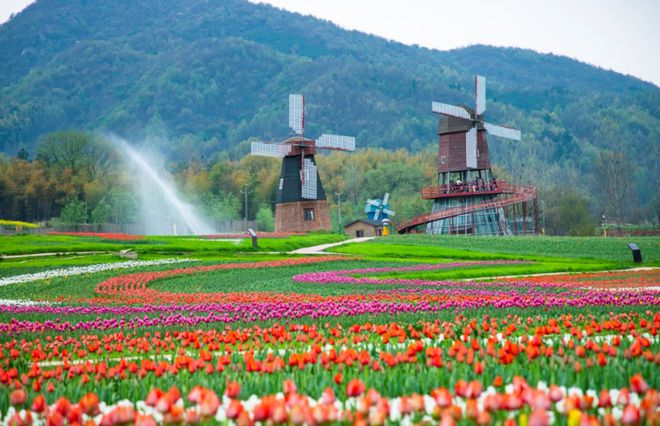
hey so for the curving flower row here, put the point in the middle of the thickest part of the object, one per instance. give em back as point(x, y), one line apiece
point(136, 284)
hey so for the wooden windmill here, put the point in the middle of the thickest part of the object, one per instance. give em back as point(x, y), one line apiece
point(465, 147)
point(301, 204)
point(467, 199)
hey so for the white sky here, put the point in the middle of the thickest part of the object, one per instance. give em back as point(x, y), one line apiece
point(622, 35)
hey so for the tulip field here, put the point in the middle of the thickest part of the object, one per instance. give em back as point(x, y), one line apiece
point(398, 330)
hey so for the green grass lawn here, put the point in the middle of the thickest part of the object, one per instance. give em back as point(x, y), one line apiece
point(29, 244)
point(571, 249)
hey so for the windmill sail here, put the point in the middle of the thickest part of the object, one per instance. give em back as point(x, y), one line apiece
point(309, 188)
point(453, 110)
point(503, 132)
point(471, 148)
point(297, 113)
point(266, 149)
point(344, 143)
point(480, 94)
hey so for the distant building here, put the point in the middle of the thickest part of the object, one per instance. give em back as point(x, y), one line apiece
point(364, 228)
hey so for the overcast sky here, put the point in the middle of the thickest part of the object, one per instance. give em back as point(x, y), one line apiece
point(622, 35)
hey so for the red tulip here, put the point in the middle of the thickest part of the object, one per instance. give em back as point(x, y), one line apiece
point(209, 404)
point(555, 393)
point(233, 390)
point(631, 415)
point(539, 417)
point(234, 409)
point(18, 397)
point(355, 388)
point(39, 404)
point(604, 399)
point(638, 384)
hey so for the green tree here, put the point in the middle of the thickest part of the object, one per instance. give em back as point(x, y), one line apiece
point(73, 213)
point(221, 207)
point(265, 219)
point(568, 214)
point(615, 181)
point(64, 149)
point(101, 213)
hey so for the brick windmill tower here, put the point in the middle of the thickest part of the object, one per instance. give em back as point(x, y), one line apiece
point(467, 198)
point(301, 204)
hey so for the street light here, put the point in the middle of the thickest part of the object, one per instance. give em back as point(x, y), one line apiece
point(246, 191)
point(543, 215)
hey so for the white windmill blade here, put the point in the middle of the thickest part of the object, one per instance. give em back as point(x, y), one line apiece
point(309, 188)
point(297, 113)
point(479, 94)
point(269, 149)
point(344, 143)
point(471, 148)
point(453, 110)
point(377, 214)
point(386, 198)
point(373, 202)
point(388, 212)
point(503, 132)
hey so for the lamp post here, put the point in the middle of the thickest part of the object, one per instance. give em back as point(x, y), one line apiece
point(338, 194)
point(543, 216)
point(246, 191)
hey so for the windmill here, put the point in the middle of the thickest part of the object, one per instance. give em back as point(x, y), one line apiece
point(379, 208)
point(467, 199)
point(301, 204)
point(476, 118)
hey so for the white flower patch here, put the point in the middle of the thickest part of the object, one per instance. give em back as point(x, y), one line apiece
point(89, 269)
point(18, 302)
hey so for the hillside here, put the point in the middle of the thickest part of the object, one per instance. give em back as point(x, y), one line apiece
point(205, 75)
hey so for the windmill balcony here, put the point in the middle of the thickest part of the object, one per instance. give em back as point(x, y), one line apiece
point(463, 189)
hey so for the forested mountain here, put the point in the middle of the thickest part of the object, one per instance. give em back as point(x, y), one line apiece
point(201, 76)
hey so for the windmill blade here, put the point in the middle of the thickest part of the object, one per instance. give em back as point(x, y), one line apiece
point(377, 214)
point(343, 143)
point(386, 198)
point(503, 132)
point(309, 188)
point(373, 202)
point(297, 113)
point(452, 110)
point(479, 94)
point(389, 212)
point(269, 149)
point(471, 148)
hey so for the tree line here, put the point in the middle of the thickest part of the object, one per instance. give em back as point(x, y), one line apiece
point(77, 177)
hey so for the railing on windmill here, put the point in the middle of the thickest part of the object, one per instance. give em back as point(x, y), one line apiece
point(468, 188)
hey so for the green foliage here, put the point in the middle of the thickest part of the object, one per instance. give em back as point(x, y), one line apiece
point(74, 213)
point(265, 219)
point(101, 214)
point(221, 207)
point(568, 214)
